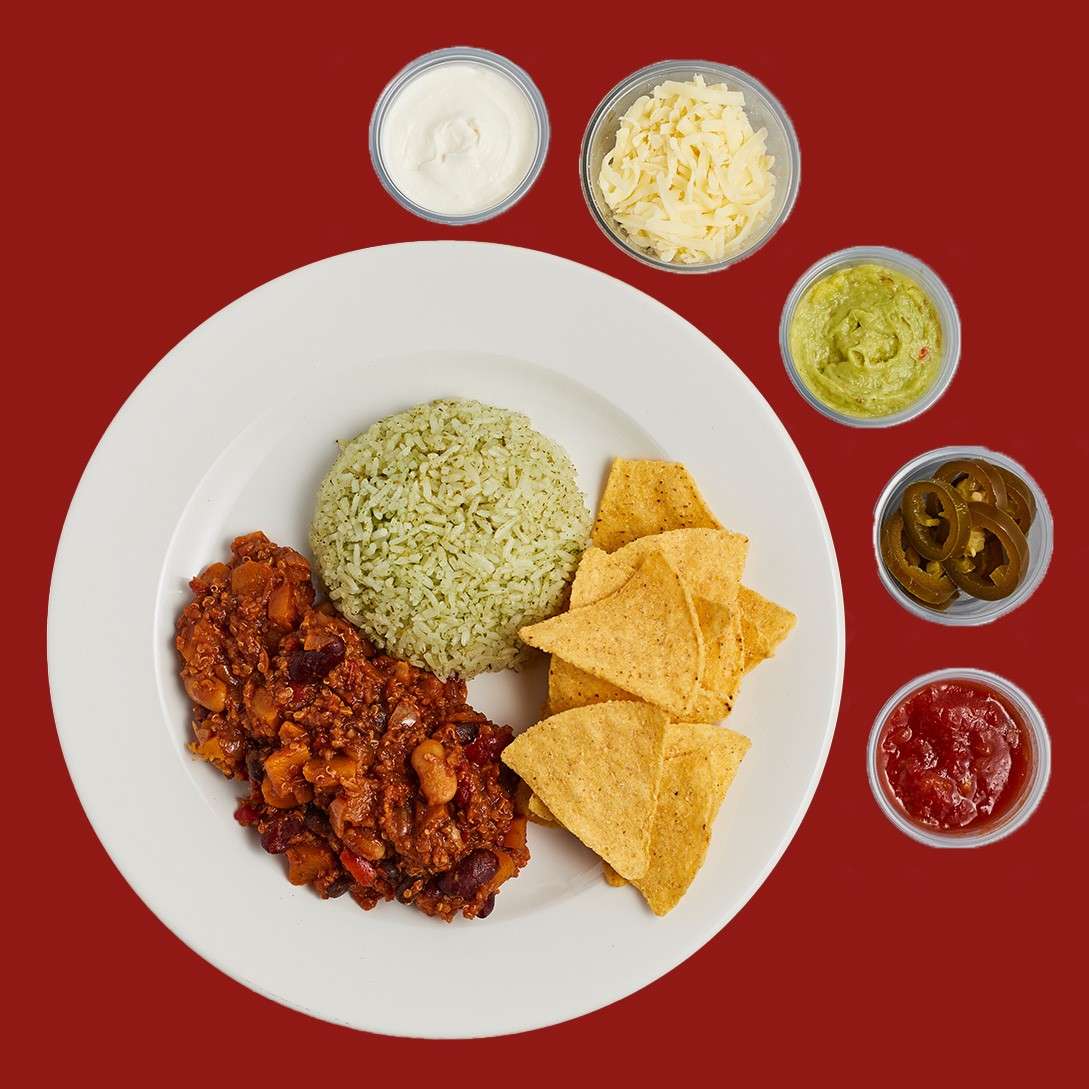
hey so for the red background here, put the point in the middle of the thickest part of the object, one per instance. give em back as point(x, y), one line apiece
point(161, 165)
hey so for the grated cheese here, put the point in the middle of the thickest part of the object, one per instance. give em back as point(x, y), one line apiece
point(688, 178)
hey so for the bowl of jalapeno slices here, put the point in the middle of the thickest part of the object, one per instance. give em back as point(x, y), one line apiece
point(962, 535)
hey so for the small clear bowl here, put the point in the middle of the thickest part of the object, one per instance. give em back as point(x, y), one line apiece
point(913, 269)
point(1032, 789)
point(764, 111)
point(466, 55)
point(966, 611)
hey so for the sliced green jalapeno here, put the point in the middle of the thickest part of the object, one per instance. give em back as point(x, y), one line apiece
point(1020, 501)
point(927, 505)
point(983, 574)
point(975, 480)
point(931, 588)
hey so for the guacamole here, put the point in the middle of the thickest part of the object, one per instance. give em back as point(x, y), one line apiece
point(866, 341)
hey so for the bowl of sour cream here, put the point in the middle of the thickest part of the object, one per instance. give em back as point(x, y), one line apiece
point(459, 135)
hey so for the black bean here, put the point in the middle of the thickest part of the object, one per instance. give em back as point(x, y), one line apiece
point(255, 770)
point(337, 887)
point(466, 731)
point(406, 890)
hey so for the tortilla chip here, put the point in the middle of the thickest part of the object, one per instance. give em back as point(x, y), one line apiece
point(764, 625)
point(709, 707)
point(720, 627)
point(711, 562)
point(646, 497)
point(538, 812)
point(724, 748)
point(598, 575)
point(598, 770)
point(569, 686)
point(700, 763)
point(645, 638)
point(681, 831)
point(724, 647)
point(611, 876)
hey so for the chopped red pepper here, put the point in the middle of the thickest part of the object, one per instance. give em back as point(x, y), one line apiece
point(360, 869)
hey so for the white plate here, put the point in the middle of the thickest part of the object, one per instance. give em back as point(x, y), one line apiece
point(232, 432)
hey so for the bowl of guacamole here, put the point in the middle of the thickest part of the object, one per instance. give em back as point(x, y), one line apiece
point(870, 336)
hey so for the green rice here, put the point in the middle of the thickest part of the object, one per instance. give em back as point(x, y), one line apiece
point(442, 530)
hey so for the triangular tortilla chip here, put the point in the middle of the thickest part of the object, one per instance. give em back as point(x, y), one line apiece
point(569, 686)
point(645, 638)
point(645, 497)
point(611, 876)
point(700, 763)
point(725, 749)
point(598, 770)
point(538, 812)
point(724, 647)
point(709, 707)
point(675, 864)
point(764, 625)
point(720, 626)
point(597, 576)
point(681, 830)
point(711, 560)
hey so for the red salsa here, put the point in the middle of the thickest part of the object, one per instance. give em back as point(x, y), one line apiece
point(955, 753)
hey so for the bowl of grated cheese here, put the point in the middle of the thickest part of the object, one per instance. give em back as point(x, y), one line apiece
point(690, 166)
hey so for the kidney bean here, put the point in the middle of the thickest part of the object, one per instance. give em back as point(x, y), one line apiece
point(246, 815)
point(278, 836)
point(487, 747)
point(488, 907)
point(464, 792)
point(311, 666)
point(476, 869)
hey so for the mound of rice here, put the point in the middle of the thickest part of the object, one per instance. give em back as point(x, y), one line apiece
point(442, 530)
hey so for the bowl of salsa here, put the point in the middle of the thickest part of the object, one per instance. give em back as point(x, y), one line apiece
point(958, 758)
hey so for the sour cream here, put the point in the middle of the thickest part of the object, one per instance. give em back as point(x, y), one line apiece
point(458, 138)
